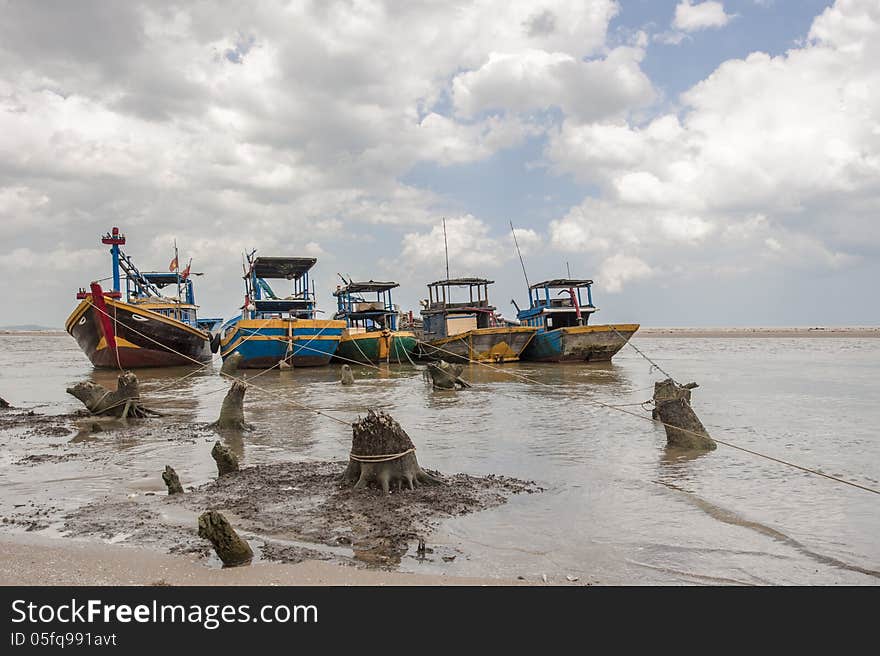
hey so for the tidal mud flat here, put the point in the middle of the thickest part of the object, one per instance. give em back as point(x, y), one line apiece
point(288, 511)
point(618, 506)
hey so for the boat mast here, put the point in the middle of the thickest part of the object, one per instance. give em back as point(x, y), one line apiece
point(446, 248)
point(522, 264)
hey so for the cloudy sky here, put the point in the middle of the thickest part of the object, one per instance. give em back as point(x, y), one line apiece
point(706, 163)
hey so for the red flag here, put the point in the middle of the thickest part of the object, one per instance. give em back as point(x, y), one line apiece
point(185, 274)
point(173, 265)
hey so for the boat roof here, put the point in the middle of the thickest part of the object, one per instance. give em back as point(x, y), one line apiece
point(291, 268)
point(162, 278)
point(369, 286)
point(461, 282)
point(559, 283)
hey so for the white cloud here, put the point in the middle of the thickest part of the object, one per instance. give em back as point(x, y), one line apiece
point(472, 249)
point(619, 269)
point(777, 157)
point(692, 17)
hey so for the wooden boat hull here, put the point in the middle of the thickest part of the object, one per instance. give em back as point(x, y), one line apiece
point(264, 342)
point(129, 337)
point(374, 347)
point(579, 343)
point(503, 344)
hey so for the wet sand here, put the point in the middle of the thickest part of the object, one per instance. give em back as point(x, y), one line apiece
point(37, 560)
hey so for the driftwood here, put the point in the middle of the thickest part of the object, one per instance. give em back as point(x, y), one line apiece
point(230, 364)
point(232, 410)
point(383, 455)
point(226, 461)
point(172, 482)
point(122, 402)
point(672, 406)
point(347, 377)
point(229, 546)
point(445, 375)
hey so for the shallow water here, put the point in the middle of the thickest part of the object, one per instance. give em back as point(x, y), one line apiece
point(618, 507)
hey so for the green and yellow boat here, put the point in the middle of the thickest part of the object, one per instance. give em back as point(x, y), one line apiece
point(371, 335)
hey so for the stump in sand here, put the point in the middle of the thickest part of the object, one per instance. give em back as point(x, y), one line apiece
point(229, 546)
point(230, 364)
point(445, 375)
point(172, 482)
point(226, 461)
point(382, 455)
point(232, 410)
point(347, 376)
point(672, 406)
point(123, 402)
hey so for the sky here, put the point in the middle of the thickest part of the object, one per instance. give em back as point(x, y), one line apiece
point(707, 163)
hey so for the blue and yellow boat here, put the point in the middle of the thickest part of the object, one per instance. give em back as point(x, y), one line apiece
point(564, 333)
point(271, 330)
point(371, 334)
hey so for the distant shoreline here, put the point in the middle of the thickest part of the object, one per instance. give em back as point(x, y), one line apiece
point(819, 331)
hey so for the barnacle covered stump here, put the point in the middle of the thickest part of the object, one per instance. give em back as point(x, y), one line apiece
point(122, 402)
point(672, 403)
point(445, 375)
point(226, 461)
point(383, 456)
point(229, 546)
point(172, 482)
point(232, 410)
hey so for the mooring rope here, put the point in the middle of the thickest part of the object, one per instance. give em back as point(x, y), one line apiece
point(380, 458)
point(640, 352)
point(684, 430)
point(588, 400)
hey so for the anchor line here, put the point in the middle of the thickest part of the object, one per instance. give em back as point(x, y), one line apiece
point(684, 430)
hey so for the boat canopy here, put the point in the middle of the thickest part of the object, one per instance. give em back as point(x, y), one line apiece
point(162, 278)
point(461, 282)
point(291, 268)
point(561, 283)
point(369, 286)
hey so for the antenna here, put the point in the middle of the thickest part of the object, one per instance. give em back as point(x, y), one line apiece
point(516, 243)
point(446, 247)
point(568, 268)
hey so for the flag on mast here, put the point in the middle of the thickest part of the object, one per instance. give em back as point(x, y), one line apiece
point(173, 265)
point(185, 274)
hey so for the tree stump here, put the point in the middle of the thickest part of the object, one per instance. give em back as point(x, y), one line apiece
point(123, 402)
point(172, 482)
point(232, 410)
point(226, 461)
point(229, 546)
point(4, 404)
point(230, 364)
point(683, 428)
point(383, 455)
point(347, 376)
point(445, 375)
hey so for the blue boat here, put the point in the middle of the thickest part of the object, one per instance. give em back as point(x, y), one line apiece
point(562, 320)
point(271, 330)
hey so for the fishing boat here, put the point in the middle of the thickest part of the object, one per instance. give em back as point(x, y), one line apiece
point(140, 327)
point(371, 334)
point(271, 330)
point(469, 330)
point(562, 322)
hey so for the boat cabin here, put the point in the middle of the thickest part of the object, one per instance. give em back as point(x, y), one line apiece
point(261, 299)
point(447, 313)
point(366, 306)
point(558, 303)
